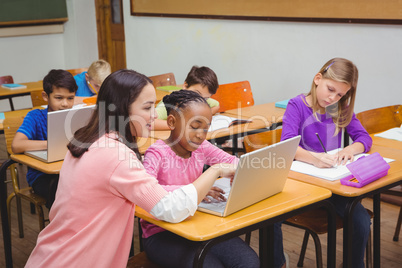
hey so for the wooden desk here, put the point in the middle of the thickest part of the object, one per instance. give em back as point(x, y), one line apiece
point(160, 94)
point(294, 199)
point(9, 94)
point(92, 100)
point(374, 189)
point(266, 111)
point(387, 142)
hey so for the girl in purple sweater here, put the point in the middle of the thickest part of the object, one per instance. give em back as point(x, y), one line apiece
point(178, 161)
point(328, 110)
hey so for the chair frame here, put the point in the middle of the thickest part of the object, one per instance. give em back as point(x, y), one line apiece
point(11, 125)
point(234, 95)
point(7, 79)
point(161, 80)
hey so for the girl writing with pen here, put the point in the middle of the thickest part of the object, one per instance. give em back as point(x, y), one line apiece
point(320, 117)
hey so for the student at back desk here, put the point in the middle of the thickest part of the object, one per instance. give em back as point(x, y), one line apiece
point(59, 90)
point(90, 82)
point(202, 80)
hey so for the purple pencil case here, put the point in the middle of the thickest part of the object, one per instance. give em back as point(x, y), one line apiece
point(365, 170)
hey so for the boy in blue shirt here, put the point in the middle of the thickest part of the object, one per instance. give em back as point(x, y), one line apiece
point(90, 82)
point(59, 89)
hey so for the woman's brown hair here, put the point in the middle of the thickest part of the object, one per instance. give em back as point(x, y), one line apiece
point(111, 115)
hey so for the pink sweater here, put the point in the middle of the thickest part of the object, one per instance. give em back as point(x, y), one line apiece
point(92, 219)
point(173, 171)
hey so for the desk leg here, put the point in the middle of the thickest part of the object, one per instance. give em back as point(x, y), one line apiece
point(266, 246)
point(201, 253)
point(348, 232)
point(331, 236)
point(235, 148)
point(376, 230)
point(4, 213)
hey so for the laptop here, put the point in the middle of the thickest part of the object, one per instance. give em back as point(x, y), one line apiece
point(259, 175)
point(61, 126)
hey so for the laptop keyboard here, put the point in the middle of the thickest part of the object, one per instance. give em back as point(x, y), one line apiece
point(215, 204)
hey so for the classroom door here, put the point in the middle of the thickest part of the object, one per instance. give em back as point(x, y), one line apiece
point(110, 28)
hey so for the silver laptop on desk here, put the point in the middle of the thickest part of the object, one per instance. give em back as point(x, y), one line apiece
point(61, 126)
point(259, 175)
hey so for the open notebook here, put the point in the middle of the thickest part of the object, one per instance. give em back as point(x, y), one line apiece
point(259, 175)
point(331, 174)
point(220, 121)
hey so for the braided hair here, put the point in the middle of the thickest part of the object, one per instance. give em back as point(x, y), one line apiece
point(181, 99)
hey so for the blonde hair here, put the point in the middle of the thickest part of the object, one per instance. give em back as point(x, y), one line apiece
point(99, 70)
point(339, 70)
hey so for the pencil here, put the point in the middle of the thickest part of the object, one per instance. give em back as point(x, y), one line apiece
point(322, 145)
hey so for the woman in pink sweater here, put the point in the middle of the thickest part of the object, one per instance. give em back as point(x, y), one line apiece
point(178, 161)
point(102, 179)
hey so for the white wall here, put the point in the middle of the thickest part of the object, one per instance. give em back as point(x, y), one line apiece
point(29, 58)
point(278, 58)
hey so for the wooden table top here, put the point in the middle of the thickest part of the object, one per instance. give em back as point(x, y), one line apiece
point(394, 175)
point(203, 226)
point(54, 167)
point(386, 142)
point(31, 86)
point(266, 112)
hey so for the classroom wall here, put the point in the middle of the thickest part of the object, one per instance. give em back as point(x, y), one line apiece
point(29, 58)
point(278, 58)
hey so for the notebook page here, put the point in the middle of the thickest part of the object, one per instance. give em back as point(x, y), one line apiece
point(392, 134)
point(331, 174)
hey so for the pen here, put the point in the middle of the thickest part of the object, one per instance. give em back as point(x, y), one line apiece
point(322, 145)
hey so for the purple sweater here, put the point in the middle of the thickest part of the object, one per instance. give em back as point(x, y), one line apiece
point(299, 120)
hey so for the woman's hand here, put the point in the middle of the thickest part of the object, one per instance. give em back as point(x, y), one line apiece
point(216, 193)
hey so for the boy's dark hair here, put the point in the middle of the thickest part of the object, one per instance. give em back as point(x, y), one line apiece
point(59, 78)
point(204, 76)
point(181, 99)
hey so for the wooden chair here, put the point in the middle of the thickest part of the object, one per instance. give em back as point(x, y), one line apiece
point(381, 119)
point(36, 98)
point(163, 80)
point(314, 222)
point(11, 125)
point(234, 95)
point(140, 260)
point(8, 79)
point(378, 120)
point(77, 71)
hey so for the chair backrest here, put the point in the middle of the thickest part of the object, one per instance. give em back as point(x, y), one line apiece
point(37, 99)
point(260, 140)
point(77, 71)
point(11, 125)
point(163, 80)
point(8, 79)
point(381, 119)
point(234, 95)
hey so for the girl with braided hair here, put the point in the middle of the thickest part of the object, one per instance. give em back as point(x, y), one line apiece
point(178, 161)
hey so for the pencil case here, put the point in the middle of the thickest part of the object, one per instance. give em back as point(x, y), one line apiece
point(365, 170)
